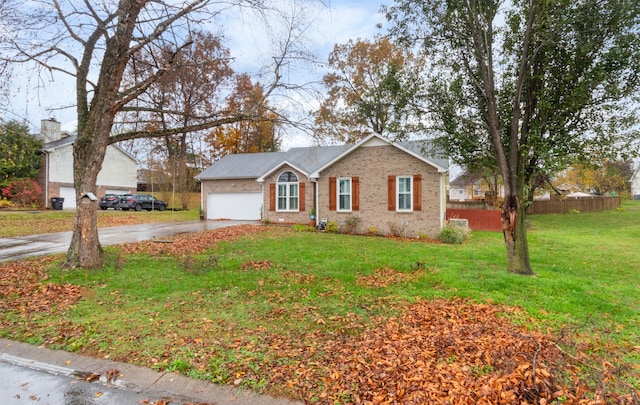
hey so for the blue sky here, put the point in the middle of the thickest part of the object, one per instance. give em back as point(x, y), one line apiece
point(250, 45)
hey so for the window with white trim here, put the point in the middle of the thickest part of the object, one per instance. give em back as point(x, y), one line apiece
point(344, 194)
point(404, 193)
point(287, 192)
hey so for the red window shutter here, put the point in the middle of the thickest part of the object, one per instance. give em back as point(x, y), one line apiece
point(417, 192)
point(392, 193)
point(355, 184)
point(301, 196)
point(272, 197)
point(332, 193)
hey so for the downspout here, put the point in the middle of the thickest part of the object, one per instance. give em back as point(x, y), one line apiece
point(263, 214)
point(46, 176)
point(203, 209)
point(316, 202)
point(443, 198)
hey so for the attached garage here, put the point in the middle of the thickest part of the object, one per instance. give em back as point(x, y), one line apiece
point(69, 195)
point(241, 205)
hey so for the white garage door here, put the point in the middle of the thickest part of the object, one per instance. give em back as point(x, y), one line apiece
point(114, 191)
point(246, 206)
point(69, 195)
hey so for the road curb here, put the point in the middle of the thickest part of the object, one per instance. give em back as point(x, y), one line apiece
point(36, 365)
point(129, 377)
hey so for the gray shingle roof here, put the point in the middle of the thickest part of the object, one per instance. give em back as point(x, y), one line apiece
point(427, 149)
point(254, 165)
point(68, 139)
point(307, 159)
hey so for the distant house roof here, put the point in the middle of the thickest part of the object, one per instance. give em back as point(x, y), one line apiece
point(465, 179)
point(306, 159)
point(68, 139)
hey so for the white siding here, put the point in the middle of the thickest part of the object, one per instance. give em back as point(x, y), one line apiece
point(118, 169)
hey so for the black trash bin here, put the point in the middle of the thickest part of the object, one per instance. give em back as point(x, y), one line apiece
point(56, 203)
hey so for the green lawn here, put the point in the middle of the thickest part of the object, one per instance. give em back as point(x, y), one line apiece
point(173, 312)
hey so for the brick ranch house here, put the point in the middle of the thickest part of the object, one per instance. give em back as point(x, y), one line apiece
point(395, 188)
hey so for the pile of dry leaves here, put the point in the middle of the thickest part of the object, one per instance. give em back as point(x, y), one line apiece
point(23, 288)
point(438, 352)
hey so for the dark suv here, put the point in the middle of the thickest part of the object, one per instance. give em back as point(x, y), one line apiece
point(141, 202)
point(109, 201)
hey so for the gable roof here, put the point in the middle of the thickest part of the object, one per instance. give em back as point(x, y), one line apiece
point(256, 165)
point(422, 150)
point(308, 160)
point(427, 151)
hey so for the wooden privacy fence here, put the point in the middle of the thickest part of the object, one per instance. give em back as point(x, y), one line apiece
point(481, 218)
point(587, 204)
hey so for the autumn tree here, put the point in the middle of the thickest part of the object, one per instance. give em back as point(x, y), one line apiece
point(372, 86)
point(189, 91)
point(94, 43)
point(603, 177)
point(19, 158)
point(536, 82)
point(257, 135)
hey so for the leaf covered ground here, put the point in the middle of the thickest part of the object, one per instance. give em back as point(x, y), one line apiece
point(435, 352)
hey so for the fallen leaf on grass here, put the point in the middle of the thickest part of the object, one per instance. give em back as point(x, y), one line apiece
point(22, 288)
point(384, 277)
point(192, 243)
point(256, 265)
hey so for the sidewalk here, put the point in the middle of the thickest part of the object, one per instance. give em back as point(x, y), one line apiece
point(173, 387)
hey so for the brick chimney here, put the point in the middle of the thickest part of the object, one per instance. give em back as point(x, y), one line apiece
point(50, 130)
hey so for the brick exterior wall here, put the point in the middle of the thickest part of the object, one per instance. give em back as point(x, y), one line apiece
point(373, 165)
point(299, 217)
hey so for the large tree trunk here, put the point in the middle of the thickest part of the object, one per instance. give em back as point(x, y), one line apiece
point(94, 128)
point(88, 154)
point(515, 236)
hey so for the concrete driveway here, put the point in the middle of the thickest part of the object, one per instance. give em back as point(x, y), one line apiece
point(21, 247)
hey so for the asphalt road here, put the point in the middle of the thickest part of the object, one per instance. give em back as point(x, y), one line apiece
point(23, 385)
point(21, 247)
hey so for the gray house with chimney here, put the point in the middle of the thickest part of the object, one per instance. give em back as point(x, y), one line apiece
point(118, 174)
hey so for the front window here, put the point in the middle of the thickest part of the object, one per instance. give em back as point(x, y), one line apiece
point(287, 192)
point(405, 193)
point(344, 194)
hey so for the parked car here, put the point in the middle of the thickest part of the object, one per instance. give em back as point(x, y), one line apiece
point(141, 202)
point(109, 201)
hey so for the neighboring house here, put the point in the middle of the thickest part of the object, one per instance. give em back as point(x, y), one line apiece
point(471, 187)
point(394, 188)
point(118, 174)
